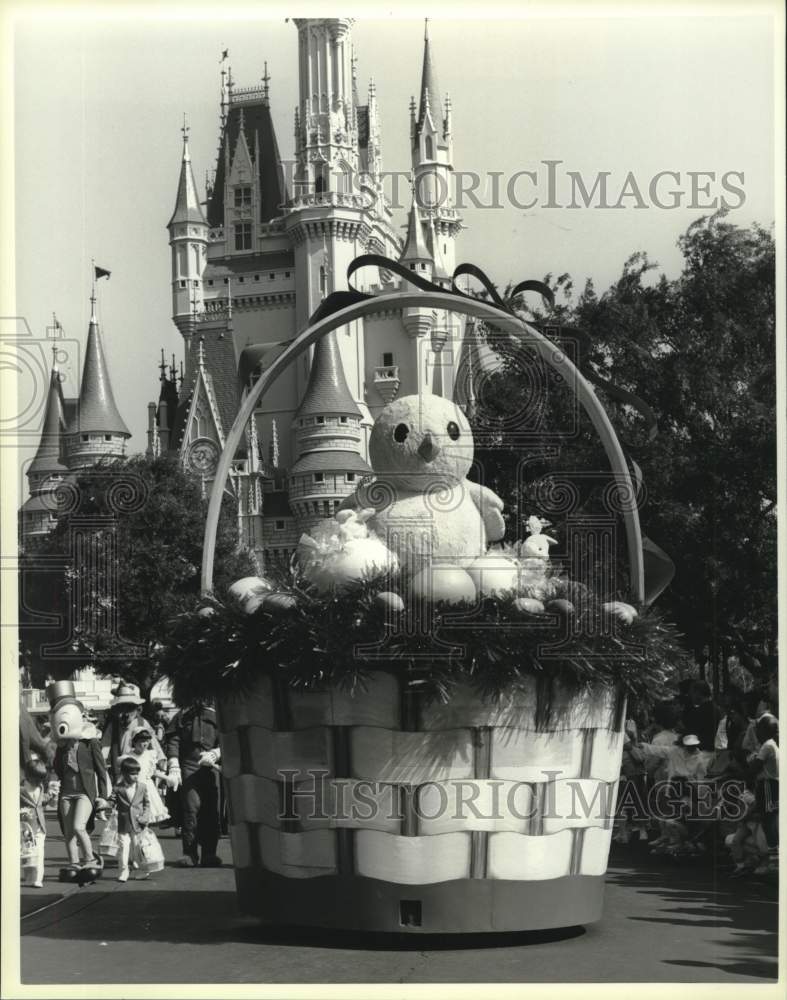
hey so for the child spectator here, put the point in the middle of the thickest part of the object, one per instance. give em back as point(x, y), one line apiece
point(32, 799)
point(132, 802)
point(151, 770)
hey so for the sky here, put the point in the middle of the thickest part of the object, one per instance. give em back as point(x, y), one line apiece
point(99, 103)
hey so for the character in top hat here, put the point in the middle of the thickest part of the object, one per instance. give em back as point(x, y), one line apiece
point(123, 722)
point(84, 782)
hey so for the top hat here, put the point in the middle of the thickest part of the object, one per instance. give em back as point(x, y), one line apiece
point(126, 694)
point(61, 691)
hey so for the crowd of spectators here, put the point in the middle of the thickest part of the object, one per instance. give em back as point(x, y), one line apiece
point(700, 774)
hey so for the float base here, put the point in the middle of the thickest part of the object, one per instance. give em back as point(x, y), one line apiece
point(463, 906)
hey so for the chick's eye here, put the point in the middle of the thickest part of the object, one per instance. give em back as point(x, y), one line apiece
point(453, 431)
point(401, 431)
point(62, 729)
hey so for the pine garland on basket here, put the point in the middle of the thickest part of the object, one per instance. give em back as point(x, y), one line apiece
point(312, 640)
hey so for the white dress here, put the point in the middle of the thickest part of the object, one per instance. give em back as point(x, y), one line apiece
point(147, 769)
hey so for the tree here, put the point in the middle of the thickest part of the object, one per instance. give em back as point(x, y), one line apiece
point(700, 351)
point(128, 550)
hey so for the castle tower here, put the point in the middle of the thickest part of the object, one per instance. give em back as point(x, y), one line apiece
point(188, 237)
point(432, 157)
point(331, 220)
point(96, 430)
point(47, 468)
point(328, 436)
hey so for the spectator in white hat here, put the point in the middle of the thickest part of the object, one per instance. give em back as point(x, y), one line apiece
point(124, 719)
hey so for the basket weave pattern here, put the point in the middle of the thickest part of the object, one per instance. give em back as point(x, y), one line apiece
point(463, 790)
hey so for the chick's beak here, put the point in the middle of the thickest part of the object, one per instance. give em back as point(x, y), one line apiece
point(428, 449)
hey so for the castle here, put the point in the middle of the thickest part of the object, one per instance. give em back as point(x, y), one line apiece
point(250, 264)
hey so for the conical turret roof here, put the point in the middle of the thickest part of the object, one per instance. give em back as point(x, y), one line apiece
point(187, 205)
point(415, 248)
point(430, 92)
point(327, 391)
point(96, 411)
point(47, 458)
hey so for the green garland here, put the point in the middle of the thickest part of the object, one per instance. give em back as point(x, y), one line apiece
point(216, 649)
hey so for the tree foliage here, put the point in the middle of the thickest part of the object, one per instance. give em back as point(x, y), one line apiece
point(700, 351)
point(143, 521)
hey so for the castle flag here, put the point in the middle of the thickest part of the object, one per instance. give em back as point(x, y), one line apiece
point(101, 272)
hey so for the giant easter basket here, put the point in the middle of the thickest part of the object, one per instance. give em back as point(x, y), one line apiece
point(539, 864)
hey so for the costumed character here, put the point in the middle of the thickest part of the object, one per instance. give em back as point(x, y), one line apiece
point(425, 508)
point(193, 754)
point(85, 785)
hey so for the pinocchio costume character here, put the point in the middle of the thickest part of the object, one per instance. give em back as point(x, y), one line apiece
point(84, 781)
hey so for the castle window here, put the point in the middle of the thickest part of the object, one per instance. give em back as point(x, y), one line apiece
point(326, 508)
point(350, 477)
point(388, 359)
point(240, 279)
point(242, 236)
point(412, 267)
point(280, 525)
point(445, 248)
point(226, 281)
point(286, 274)
point(429, 148)
point(319, 420)
point(210, 281)
point(271, 276)
point(107, 437)
point(182, 283)
point(342, 420)
point(319, 477)
point(256, 277)
point(242, 197)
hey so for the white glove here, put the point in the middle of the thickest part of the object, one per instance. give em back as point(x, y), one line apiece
point(209, 758)
point(174, 777)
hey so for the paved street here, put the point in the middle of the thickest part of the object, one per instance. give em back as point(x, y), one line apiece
point(661, 923)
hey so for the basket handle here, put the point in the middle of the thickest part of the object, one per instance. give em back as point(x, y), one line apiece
point(546, 350)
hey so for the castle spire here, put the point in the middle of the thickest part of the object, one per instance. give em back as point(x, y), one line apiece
point(96, 412)
point(47, 458)
point(430, 93)
point(187, 203)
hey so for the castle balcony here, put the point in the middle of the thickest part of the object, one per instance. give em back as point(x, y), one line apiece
point(335, 199)
point(387, 381)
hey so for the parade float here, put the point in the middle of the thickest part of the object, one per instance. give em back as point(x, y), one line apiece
point(422, 733)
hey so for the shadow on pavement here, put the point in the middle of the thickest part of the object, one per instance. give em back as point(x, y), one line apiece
point(212, 917)
point(706, 898)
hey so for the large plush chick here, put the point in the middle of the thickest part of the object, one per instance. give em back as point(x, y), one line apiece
point(421, 449)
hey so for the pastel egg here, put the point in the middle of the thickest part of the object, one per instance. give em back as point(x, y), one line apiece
point(279, 605)
point(443, 584)
point(529, 606)
point(561, 607)
point(494, 575)
point(248, 593)
point(388, 603)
